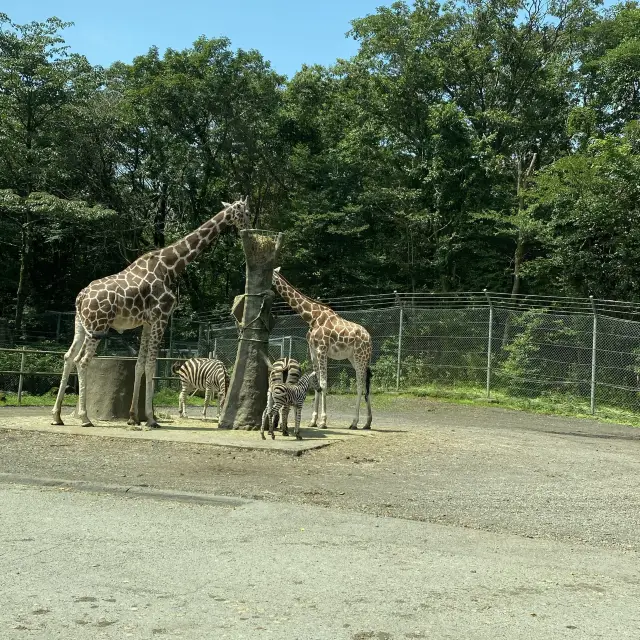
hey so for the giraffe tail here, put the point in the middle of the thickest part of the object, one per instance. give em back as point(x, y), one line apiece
point(367, 384)
point(98, 335)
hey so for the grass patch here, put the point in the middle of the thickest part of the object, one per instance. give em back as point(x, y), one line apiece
point(169, 398)
point(558, 405)
point(46, 400)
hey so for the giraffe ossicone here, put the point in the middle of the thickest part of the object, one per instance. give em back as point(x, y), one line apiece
point(139, 295)
point(331, 337)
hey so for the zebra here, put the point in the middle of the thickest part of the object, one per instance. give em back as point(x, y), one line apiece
point(287, 395)
point(284, 370)
point(201, 373)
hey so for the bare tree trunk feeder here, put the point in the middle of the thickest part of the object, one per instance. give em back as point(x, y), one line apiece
point(110, 388)
point(247, 395)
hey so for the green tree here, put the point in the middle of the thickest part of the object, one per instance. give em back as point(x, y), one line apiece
point(38, 81)
point(589, 201)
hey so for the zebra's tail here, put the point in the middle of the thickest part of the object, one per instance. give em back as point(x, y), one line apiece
point(367, 384)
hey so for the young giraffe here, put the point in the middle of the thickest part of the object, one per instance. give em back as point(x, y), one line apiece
point(330, 336)
point(139, 295)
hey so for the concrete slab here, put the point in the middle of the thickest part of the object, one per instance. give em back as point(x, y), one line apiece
point(176, 429)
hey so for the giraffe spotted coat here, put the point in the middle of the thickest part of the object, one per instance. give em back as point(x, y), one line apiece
point(139, 295)
point(331, 336)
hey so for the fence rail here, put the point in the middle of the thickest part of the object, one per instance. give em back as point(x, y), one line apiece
point(43, 382)
point(525, 346)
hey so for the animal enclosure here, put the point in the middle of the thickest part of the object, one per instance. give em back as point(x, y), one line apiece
point(524, 347)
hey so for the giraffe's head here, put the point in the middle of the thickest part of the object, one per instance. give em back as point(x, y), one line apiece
point(238, 213)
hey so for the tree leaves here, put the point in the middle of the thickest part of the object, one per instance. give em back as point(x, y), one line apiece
point(466, 145)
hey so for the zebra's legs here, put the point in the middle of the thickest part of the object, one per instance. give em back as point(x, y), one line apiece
point(220, 401)
point(268, 416)
point(296, 430)
point(207, 399)
point(284, 419)
point(182, 400)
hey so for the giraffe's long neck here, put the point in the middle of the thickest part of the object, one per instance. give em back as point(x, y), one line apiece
point(306, 308)
point(178, 255)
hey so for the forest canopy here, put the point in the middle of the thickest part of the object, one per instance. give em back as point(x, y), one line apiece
point(466, 145)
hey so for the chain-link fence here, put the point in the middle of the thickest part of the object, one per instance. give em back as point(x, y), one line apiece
point(584, 350)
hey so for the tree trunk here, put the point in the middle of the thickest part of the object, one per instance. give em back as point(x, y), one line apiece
point(110, 389)
point(247, 395)
point(521, 240)
point(23, 278)
point(517, 263)
point(521, 185)
point(160, 220)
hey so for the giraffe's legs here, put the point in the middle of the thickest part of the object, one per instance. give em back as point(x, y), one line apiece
point(134, 418)
point(321, 372)
point(316, 404)
point(74, 350)
point(316, 397)
point(155, 340)
point(367, 395)
point(361, 377)
point(82, 361)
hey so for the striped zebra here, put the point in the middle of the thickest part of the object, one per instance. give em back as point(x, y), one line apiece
point(287, 395)
point(201, 374)
point(284, 370)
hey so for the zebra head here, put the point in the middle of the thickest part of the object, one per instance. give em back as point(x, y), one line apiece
point(310, 380)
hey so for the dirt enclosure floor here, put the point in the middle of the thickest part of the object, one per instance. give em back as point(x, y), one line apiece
point(482, 468)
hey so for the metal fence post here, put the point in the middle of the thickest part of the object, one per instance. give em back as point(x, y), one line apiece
point(201, 347)
point(593, 356)
point(399, 341)
point(489, 345)
point(171, 337)
point(215, 347)
point(290, 345)
point(21, 378)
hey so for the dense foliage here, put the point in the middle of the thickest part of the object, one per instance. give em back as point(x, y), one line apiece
point(474, 144)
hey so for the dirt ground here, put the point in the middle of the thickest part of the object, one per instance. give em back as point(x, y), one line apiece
point(483, 468)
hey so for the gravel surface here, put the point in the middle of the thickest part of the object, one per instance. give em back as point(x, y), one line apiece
point(486, 469)
point(76, 565)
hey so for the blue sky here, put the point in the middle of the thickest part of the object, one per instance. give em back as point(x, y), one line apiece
point(286, 32)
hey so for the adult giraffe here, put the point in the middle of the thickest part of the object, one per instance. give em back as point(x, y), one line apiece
point(141, 294)
point(330, 336)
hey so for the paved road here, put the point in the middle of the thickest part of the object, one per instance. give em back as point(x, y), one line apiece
point(85, 565)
